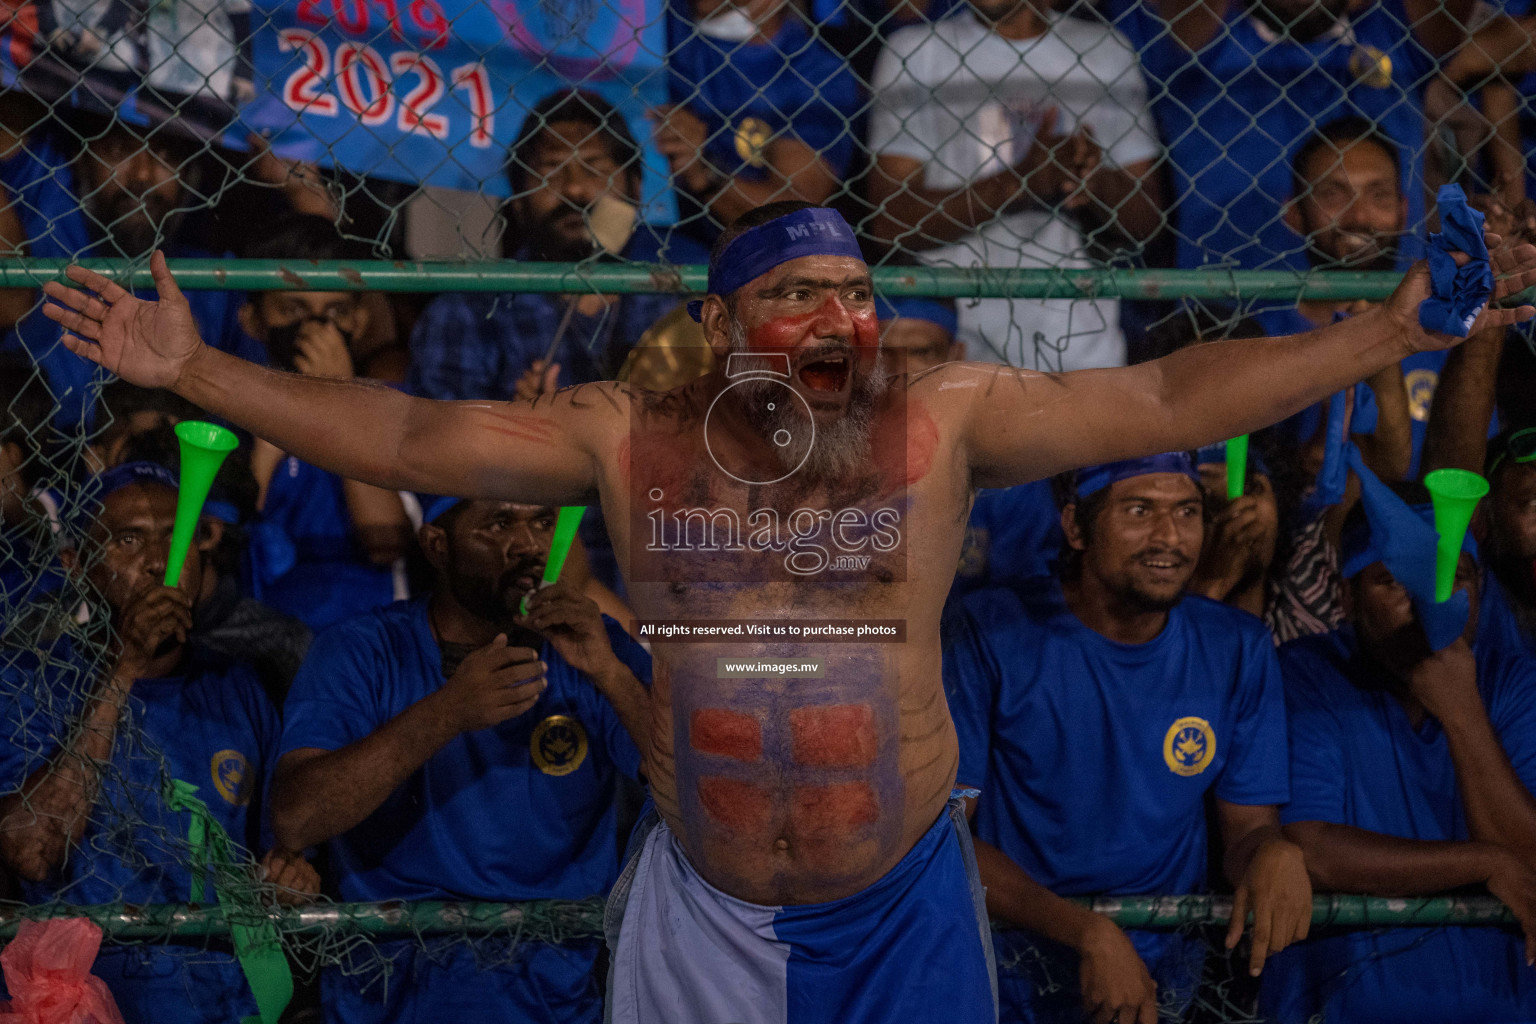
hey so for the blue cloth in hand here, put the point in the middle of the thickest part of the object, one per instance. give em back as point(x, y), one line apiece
point(1335, 472)
point(1366, 415)
point(1460, 293)
point(1405, 542)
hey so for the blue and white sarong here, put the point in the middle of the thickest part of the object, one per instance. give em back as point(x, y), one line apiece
point(915, 947)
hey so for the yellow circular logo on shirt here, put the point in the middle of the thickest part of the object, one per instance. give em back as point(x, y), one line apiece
point(1371, 67)
point(752, 141)
point(1189, 746)
point(559, 745)
point(1420, 385)
point(232, 777)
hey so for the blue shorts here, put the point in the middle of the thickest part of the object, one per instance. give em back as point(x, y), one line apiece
point(913, 947)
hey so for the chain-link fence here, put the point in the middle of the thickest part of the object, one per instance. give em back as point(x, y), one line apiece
point(464, 193)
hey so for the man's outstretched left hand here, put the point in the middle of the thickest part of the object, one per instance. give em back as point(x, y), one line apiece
point(1514, 270)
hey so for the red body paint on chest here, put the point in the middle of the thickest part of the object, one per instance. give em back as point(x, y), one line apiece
point(836, 808)
point(736, 805)
point(727, 733)
point(903, 446)
point(839, 736)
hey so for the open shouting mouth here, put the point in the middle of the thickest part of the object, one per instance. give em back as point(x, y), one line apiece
point(827, 374)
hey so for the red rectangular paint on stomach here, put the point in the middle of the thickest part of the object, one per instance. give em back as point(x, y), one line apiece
point(725, 733)
point(833, 736)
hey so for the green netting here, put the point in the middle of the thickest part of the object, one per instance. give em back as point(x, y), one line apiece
point(425, 133)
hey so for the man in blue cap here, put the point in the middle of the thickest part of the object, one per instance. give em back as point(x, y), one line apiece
point(799, 515)
point(1107, 702)
point(448, 749)
point(90, 739)
point(1412, 774)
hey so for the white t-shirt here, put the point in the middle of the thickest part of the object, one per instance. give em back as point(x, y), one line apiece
point(966, 102)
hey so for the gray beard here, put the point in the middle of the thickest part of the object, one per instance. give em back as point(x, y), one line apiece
point(841, 450)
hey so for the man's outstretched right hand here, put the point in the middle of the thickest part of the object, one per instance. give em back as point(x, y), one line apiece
point(145, 343)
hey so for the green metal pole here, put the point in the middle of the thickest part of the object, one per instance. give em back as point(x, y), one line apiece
point(1340, 910)
point(561, 919)
point(622, 278)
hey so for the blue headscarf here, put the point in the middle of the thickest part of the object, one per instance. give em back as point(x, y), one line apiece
point(817, 231)
point(1095, 478)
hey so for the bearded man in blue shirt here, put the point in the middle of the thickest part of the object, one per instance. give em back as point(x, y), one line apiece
point(449, 749)
point(1096, 712)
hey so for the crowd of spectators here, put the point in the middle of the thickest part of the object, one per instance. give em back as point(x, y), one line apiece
point(1157, 688)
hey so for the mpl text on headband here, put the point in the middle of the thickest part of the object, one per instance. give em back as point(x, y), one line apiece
point(814, 232)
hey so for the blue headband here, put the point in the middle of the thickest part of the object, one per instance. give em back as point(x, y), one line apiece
point(913, 308)
point(814, 232)
point(97, 489)
point(1096, 478)
point(129, 473)
point(434, 506)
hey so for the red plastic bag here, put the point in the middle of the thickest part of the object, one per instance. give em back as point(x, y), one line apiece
point(48, 972)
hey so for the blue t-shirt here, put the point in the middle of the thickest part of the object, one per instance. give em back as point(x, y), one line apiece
point(1094, 759)
point(39, 178)
point(1357, 760)
point(1498, 626)
point(211, 726)
point(748, 94)
point(524, 810)
point(329, 579)
point(1234, 114)
point(1069, 734)
point(520, 811)
point(1014, 534)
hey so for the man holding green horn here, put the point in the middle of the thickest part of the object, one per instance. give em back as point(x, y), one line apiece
point(795, 480)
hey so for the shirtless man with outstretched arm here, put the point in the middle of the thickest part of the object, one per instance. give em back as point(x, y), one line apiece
point(803, 842)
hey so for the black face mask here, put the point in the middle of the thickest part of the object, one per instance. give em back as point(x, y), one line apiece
point(283, 342)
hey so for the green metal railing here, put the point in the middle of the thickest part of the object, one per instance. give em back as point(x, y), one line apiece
point(629, 278)
point(576, 918)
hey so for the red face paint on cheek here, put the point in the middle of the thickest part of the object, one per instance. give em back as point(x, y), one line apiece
point(781, 334)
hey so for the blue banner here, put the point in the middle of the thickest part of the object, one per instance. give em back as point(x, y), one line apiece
point(435, 91)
